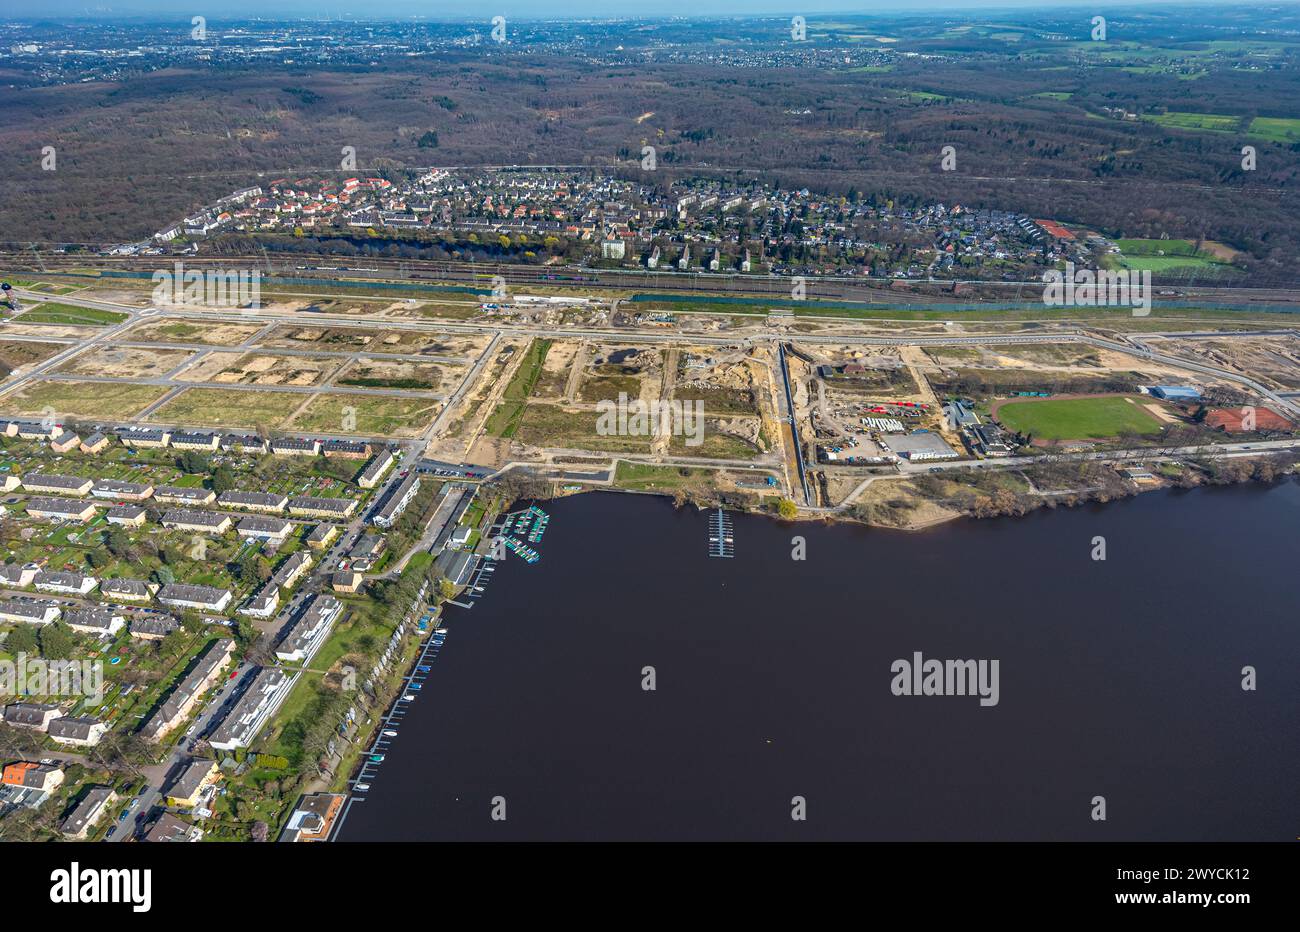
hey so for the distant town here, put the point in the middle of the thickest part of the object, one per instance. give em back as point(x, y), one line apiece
point(699, 225)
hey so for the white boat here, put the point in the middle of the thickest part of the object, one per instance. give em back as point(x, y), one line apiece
point(362, 787)
point(439, 630)
point(390, 733)
point(408, 697)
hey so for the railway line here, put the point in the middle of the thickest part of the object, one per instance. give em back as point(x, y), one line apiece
point(936, 293)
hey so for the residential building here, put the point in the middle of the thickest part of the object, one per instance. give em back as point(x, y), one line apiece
point(253, 501)
point(130, 590)
point(263, 603)
point(15, 576)
point(183, 495)
point(258, 703)
point(295, 446)
point(192, 783)
point(292, 569)
point(95, 619)
point(65, 442)
point(184, 698)
point(95, 443)
point(34, 715)
point(345, 449)
point(38, 612)
point(144, 437)
point(191, 440)
point(321, 535)
point(82, 731)
point(64, 583)
point(168, 828)
point(87, 813)
point(346, 581)
point(264, 528)
point(367, 550)
point(203, 598)
point(397, 500)
point(375, 469)
point(203, 522)
point(309, 629)
point(322, 507)
point(313, 818)
point(59, 509)
point(57, 485)
point(152, 627)
point(28, 430)
point(244, 443)
point(33, 776)
point(126, 515)
point(121, 491)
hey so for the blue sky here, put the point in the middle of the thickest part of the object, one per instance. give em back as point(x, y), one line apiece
point(215, 10)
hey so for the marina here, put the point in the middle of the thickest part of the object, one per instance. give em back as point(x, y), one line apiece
point(528, 524)
point(363, 780)
point(721, 535)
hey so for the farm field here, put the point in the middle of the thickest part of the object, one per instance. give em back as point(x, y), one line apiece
point(1097, 418)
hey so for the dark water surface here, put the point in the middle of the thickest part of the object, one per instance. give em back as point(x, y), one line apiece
point(1119, 678)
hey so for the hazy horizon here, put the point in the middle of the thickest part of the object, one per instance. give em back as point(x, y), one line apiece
point(406, 10)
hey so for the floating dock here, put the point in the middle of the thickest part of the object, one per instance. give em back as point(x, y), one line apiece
point(721, 535)
point(525, 553)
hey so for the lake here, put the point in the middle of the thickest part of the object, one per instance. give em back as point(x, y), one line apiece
point(1119, 678)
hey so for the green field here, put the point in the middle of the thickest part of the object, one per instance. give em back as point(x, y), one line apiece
point(643, 477)
point(1078, 418)
point(1200, 122)
point(371, 415)
point(1160, 255)
point(219, 407)
point(1155, 247)
point(1275, 129)
point(53, 312)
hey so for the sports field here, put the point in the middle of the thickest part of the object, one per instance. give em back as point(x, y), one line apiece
point(1098, 418)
